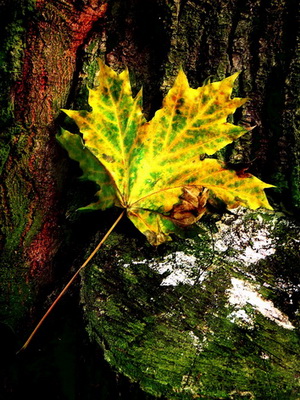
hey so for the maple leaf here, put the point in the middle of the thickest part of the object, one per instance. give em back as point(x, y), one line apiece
point(154, 169)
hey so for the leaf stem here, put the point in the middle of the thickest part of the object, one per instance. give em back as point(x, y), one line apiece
point(71, 281)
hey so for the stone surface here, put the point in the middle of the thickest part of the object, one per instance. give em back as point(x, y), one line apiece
point(212, 316)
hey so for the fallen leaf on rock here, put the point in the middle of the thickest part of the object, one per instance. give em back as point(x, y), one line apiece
point(155, 169)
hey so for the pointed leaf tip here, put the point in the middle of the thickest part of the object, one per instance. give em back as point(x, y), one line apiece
point(153, 169)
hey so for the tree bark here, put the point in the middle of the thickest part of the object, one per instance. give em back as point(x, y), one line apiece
point(32, 171)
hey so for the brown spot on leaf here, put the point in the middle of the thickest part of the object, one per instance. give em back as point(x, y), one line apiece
point(107, 158)
point(192, 206)
point(156, 238)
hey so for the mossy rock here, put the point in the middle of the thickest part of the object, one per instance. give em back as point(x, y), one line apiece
point(213, 316)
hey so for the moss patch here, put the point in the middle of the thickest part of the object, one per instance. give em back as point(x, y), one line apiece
point(184, 338)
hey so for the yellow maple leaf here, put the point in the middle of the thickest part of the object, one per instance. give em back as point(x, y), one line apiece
point(154, 170)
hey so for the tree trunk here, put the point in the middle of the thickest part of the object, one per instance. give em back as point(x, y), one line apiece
point(32, 172)
point(49, 51)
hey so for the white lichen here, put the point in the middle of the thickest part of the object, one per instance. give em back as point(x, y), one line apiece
point(248, 241)
point(241, 318)
point(243, 293)
point(179, 268)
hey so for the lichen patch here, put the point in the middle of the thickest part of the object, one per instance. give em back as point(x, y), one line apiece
point(242, 293)
point(179, 268)
point(250, 240)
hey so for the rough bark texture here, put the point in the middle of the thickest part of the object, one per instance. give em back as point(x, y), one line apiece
point(48, 55)
point(31, 168)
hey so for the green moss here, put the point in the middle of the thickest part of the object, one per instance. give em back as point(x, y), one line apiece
point(92, 69)
point(34, 228)
point(13, 18)
point(19, 203)
point(16, 294)
point(180, 341)
point(295, 184)
point(280, 181)
point(4, 152)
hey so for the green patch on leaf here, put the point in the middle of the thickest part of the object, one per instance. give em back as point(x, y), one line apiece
point(122, 152)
